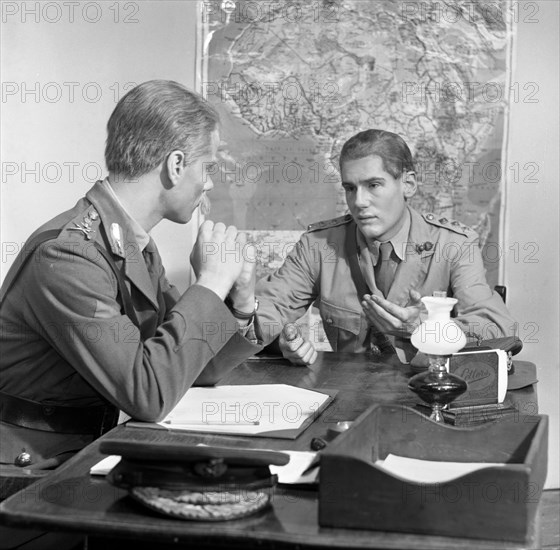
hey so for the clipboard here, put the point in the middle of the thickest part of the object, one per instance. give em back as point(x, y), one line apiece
point(248, 396)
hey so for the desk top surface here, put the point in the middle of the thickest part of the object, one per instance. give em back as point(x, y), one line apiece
point(71, 499)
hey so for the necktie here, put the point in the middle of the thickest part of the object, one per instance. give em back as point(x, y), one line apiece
point(385, 268)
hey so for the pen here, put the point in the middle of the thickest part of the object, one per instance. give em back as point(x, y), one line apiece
point(213, 423)
point(315, 463)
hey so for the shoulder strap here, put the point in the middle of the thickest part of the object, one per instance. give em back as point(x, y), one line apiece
point(51, 234)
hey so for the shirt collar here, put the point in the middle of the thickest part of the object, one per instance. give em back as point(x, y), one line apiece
point(399, 241)
point(140, 235)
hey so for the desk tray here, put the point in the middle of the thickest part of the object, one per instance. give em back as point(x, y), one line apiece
point(497, 503)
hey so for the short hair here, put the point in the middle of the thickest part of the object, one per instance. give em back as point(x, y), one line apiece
point(391, 148)
point(154, 119)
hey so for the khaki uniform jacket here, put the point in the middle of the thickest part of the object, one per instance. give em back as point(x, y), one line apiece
point(440, 255)
point(66, 340)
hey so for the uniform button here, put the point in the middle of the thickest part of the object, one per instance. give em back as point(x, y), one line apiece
point(430, 216)
point(428, 245)
point(47, 410)
point(93, 215)
point(375, 349)
point(329, 321)
point(23, 459)
point(443, 220)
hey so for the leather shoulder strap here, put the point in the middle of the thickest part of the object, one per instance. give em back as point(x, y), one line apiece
point(354, 264)
point(375, 338)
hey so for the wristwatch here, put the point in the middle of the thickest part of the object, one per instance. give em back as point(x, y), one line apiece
point(241, 314)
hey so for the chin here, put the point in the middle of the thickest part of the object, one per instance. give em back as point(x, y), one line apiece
point(371, 232)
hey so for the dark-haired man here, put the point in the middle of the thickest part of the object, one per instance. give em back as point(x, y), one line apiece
point(368, 270)
point(89, 322)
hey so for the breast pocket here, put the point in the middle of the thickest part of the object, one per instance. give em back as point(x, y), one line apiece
point(343, 326)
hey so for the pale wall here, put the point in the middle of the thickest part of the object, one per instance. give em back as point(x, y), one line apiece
point(532, 229)
point(103, 58)
point(161, 44)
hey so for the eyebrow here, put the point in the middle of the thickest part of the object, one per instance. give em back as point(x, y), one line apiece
point(365, 181)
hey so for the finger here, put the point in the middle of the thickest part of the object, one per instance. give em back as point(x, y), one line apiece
point(308, 358)
point(206, 228)
point(304, 349)
point(290, 331)
point(313, 357)
point(415, 297)
point(370, 312)
point(241, 238)
point(291, 338)
point(389, 307)
point(381, 313)
point(220, 227)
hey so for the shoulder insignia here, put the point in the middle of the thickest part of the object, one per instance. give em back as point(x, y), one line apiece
point(86, 223)
point(452, 225)
point(326, 224)
point(116, 238)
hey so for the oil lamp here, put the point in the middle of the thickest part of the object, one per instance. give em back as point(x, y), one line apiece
point(438, 336)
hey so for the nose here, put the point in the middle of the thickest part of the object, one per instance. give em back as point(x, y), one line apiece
point(361, 197)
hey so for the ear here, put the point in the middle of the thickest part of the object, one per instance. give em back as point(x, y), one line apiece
point(409, 184)
point(175, 165)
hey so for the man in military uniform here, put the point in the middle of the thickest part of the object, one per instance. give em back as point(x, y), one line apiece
point(368, 270)
point(90, 325)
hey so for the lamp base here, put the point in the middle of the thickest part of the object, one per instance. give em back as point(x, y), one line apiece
point(437, 387)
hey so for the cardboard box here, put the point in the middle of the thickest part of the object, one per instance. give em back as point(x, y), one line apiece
point(497, 503)
point(485, 373)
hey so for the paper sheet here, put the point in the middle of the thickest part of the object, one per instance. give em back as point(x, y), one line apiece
point(429, 471)
point(291, 473)
point(246, 409)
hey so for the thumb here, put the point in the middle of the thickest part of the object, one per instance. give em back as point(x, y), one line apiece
point(292, 336)
point(415, 296)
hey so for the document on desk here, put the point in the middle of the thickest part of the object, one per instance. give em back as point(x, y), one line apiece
point(265, 410)
point(430, 471)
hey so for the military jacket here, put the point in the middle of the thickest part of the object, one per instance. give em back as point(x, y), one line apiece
point(440, 255)
point(66, 340)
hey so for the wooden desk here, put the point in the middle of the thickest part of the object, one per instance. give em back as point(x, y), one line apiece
point(70, 499)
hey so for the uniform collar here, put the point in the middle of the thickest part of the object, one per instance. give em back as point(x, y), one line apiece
point(399, 241)
point(125, 237)
point(417, 246)
point(138, 233)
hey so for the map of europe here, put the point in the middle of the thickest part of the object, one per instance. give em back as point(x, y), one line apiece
point(293, 80)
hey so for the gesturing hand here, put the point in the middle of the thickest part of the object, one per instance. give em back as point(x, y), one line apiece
point(391, 318)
